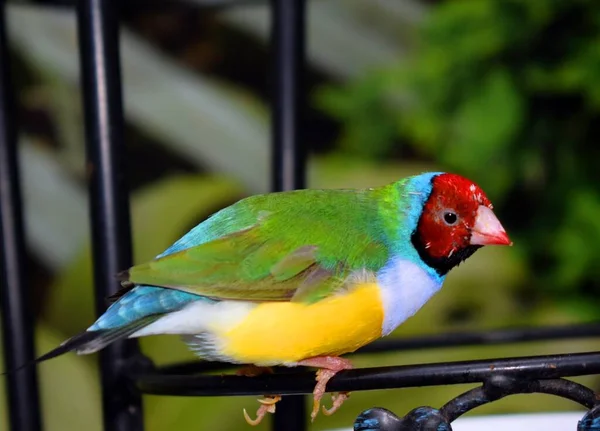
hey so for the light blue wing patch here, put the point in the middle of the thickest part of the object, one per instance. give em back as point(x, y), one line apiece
point(217, 225)
point(144, 301)
point(224, 222)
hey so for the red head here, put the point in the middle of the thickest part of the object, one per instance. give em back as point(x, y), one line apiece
point(457, 220)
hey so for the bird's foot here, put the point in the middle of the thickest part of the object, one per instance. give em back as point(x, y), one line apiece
point(338, 399)
point(253, 371)
point(328, 366)
point(268, 402)
point(267, 406)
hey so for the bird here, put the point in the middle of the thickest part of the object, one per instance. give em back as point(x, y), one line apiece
point(301, 277)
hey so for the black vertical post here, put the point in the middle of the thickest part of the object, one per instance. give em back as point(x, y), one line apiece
point(288, 160)
point(17, 321)
point(98, 28)
point(287, 41)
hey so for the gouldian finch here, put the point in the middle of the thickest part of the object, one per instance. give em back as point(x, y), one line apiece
point(299, 278)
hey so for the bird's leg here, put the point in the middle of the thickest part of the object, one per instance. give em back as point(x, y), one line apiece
point(267, 406)
point(328, 366)
point(268, 402)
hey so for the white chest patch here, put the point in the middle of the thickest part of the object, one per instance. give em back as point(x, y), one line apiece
point(405, 288)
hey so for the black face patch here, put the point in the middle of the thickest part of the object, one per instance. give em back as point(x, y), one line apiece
point(441, 265)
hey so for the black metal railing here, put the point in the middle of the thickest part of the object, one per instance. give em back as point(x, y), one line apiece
point(288, 161)
point(98, 31)
point(126, 374)
point(17, 330)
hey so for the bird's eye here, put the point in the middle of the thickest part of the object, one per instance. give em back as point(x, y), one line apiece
point(450, 218)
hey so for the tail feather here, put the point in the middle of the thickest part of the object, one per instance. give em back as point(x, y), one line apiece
point(104, 337)
point(92, 341)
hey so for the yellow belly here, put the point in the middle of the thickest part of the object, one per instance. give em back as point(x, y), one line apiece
point(287, 332)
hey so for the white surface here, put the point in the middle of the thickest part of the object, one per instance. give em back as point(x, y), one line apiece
point(521, 422)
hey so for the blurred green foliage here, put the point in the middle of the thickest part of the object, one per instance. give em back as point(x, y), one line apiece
point(506, 92)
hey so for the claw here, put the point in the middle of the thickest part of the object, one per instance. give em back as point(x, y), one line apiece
point(267, 406)
point(338, 400)
point(250, 421)
point(323, 376)
point(269, 401)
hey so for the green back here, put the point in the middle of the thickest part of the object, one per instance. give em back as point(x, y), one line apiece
point(297, 245)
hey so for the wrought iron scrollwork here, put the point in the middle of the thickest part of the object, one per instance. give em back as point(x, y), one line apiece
point(496, 387)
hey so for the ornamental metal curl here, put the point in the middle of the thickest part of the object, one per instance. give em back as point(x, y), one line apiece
point(496, 387)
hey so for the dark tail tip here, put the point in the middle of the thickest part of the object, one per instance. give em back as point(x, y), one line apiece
point(71, 344)
point(92, 341)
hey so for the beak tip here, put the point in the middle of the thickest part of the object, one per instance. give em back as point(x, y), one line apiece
point(503, 239)
point(488, 230)
point(507, 240)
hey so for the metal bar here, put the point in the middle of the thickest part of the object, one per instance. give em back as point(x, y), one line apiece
point(287, 39)
point(288, 157)
point(17, 319)
point(98, 28)
point(393, 377)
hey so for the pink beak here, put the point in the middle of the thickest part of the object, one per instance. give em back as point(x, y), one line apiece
point(487, 229)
